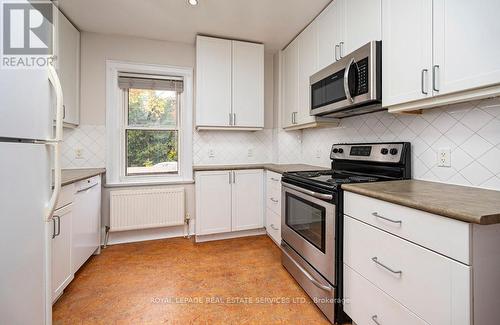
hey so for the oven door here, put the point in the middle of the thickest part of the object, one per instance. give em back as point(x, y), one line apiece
point(308, 226)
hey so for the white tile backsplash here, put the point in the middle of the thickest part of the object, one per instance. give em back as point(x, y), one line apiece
point(471, 130)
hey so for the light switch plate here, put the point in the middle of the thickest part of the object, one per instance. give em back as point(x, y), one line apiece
point(444, 157)
point(78, 153)
point(211, 153)
point(250, 152)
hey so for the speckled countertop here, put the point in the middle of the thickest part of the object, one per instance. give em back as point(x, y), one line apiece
point(277, 168)
point(469, 204)
point(69, 176)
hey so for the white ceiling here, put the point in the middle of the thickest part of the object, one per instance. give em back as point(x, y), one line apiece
point(272, 22)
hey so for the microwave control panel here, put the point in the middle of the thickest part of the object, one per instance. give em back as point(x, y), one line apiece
point(362, 76)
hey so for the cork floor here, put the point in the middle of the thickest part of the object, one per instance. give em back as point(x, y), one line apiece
point(175, 281)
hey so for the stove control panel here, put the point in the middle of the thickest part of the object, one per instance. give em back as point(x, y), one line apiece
point(377, 152)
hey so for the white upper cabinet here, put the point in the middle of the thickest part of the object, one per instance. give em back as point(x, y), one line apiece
point(290, 84)
point(248, 199)
point(438, 52)
point(363, 23)
point(308, 62)
point(330, 33)
point(229, 84)
point(248, 84)
point(68, 68)
point(213, 82)
point(406, 51)
point(466, 44)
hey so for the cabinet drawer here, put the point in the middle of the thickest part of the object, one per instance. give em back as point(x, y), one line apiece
point(365, 303)
point(273, 180)
point(273, 202)
point(273, 225)
point(443, 235)
point(434, 287)
point(66, 196)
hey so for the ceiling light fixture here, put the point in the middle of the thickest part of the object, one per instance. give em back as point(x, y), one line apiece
point(193, 2)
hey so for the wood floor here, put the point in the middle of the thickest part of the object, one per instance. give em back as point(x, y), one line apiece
point(175, 281)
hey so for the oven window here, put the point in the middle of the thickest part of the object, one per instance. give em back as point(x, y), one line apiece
point(307, 219)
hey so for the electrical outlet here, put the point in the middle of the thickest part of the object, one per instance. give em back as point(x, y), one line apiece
point(318, 153)
point(250, 152)
point(444, 157)
point(78, 153)
point(211, 153)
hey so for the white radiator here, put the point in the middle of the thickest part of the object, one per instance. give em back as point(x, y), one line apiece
point(147, 208)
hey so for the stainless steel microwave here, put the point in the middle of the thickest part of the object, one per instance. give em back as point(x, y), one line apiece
point(350, 86)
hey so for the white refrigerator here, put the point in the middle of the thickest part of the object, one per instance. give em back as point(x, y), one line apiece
point(31, 115)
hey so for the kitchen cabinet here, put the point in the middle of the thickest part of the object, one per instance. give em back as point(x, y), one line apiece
point(213, 202)
point(228, 201)
point(290, 84)
point(273, 206)
point(391, 252)
point(86, 224)
point(308, 62)
point(362, 24)
point(433, 56)
point(229, 84)
point(67, 47)
point(247, 200)
point(62, 273)
point(330, 33)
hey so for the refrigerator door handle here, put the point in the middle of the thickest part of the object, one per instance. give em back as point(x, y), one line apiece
point(56, 83)
point(51, 205)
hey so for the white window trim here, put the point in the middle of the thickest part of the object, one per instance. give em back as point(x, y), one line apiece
point(115, 159)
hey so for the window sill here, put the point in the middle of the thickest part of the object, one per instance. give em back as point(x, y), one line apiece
point(149, 183)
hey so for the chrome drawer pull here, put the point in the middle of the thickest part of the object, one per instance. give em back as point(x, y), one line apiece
point(375, 214)
point(272, 226)
point(374, 319)
point(274, 200)
point(375, 259)
point(275, 179)
point(87, 188)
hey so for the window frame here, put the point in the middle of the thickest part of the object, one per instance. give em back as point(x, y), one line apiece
point(127, 127)
point(116, 120)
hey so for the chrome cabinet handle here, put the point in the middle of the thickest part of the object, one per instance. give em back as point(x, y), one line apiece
point(341, 50)
point(307, 274)
point(308, 192)
point(234, 119)
point(274, 179)
point(335, 51)
point(54, 232)
point(375, 319)
point(234, 177)
point(346, 81)
point(272, 226)
point(53, 227)
point(229, 177)
point(274, 200)
point(87, 188)
point(230, 119)
point(422, 77)
point(435, 71)
point(375, 260)
point(376, 215)
point(64, 111)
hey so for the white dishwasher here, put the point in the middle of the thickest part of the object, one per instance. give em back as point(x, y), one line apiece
point(86, 221)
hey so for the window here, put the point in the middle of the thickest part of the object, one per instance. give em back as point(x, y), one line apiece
point(148, 124)
point(151, 131)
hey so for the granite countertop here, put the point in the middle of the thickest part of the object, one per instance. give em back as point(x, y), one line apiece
point(469, 204)
point(69, 176)
point(277, 168)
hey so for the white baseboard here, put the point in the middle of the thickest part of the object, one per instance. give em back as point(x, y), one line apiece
point(229, 235)
point(122, 237)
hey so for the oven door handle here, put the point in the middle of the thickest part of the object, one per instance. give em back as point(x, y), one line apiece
point(308, 192)
point(307, 274)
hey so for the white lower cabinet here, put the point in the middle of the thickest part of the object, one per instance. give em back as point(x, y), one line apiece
point(62, 273)
point(229, 200)
point(273, 206)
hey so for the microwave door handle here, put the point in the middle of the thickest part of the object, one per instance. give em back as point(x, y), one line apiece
point(346, 81)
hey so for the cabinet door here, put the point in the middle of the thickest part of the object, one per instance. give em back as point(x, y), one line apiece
point(68, 63)
point(330, 33)
point(308, 62)
point(363, 23)
point(213, 81)
point(213, 202)
point(290, 83)
point(248, 199)
point(61, 251)
point(466, 47)
point(407, 51)
point(248, 84)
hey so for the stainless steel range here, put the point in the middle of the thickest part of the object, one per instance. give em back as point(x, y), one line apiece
point(312, 215)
